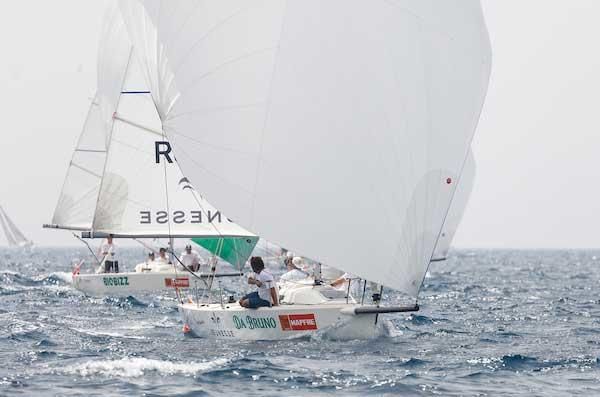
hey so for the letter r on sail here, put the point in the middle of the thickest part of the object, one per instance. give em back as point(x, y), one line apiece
point(164, 148)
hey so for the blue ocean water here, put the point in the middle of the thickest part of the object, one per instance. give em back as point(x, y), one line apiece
point(492, 322)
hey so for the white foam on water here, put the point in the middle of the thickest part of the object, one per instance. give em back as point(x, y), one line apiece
point(389, 329)
point(132, 367)
point(10, 272)
point(106, 333)
point(67, 277)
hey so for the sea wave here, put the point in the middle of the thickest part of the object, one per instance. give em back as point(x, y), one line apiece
point(132, 367)
point(107, 334)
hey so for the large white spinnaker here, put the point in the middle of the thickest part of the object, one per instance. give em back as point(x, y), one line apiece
point(335, 128)
point(79, 194)
point(457, 209)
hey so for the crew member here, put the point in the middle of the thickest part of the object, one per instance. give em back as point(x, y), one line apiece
point(287, 260)
point(266, 295)
point(108, 252)
point(190, 259)
point(162, 256)
point(295, 271)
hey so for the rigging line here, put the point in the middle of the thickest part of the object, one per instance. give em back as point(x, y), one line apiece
point(267, 113)
point(88, 247)
point(185, 267)
point(147, 246)
point(136, 148)
point(85, 170)
point(132, 123)
point(171, 243)
point(90, 150)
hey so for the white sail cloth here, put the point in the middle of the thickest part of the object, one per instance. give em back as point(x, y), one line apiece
point(457, 208)
point(115, 183)
point(300, 117)
point(79, 195)
point(143, 192)
point(14, 237)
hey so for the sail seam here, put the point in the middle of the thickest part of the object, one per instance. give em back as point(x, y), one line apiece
point(267, 114)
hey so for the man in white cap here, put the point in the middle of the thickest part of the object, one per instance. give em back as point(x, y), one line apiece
point(295, 271)
point(190, 259)
point(287, 260)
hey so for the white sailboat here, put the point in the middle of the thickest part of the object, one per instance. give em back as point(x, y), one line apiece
point(457, 209)
point(14, 237)
point(119, 174)
point(295, 116)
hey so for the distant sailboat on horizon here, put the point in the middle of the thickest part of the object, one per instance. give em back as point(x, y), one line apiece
point(14, 237)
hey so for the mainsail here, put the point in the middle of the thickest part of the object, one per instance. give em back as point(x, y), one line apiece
point(457, 209)
point(14, 237)
point(79, 195)
point(335, 128)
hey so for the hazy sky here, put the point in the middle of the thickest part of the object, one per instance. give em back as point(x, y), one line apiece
point(537, 147)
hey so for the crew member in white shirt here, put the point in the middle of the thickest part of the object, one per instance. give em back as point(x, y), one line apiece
point(295, 272)
point(266, 295)
point(190, 259)
point(107, 251)
point(162, 256)
point(347, 280)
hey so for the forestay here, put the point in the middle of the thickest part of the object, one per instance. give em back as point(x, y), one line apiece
point(336, 128)
point(457, 208)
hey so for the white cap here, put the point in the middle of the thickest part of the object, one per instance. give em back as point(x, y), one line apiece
point(297, 261)
point(289, 254)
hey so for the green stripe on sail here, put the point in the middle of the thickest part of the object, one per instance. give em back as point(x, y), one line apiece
point(233, 250)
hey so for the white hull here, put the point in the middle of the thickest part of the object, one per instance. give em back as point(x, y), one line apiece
point(276, 323)
point(125, 284)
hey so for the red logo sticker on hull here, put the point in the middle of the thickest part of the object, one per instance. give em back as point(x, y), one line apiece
point(179, 282)
point(298, 322)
